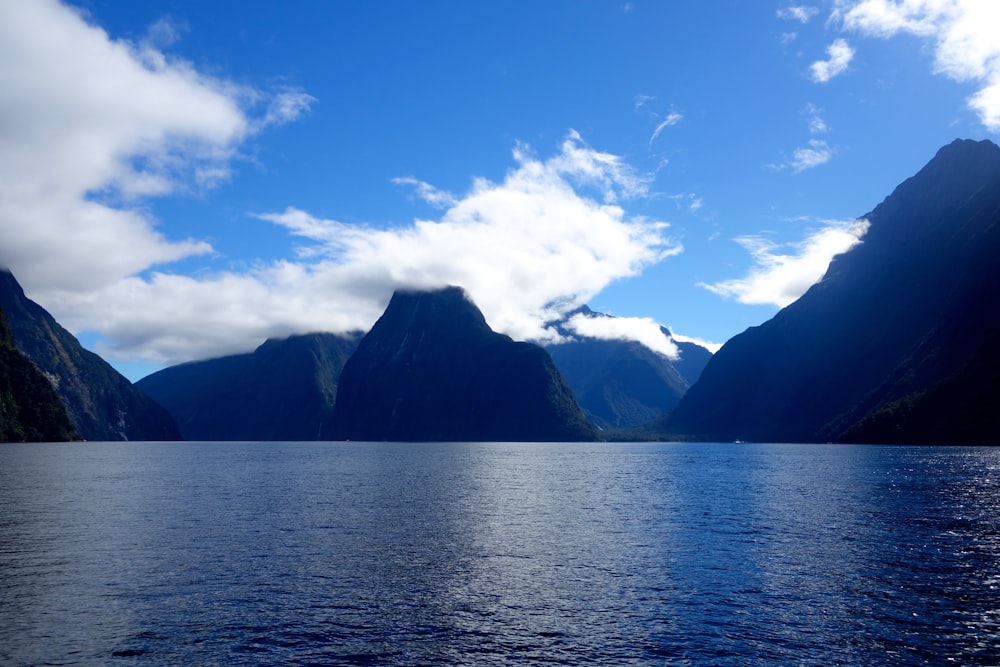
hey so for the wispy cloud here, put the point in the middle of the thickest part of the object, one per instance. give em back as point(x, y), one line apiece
point(672, 119)
point(839, 56)
point(688, 200)
point(430, 194)
point(965, 35)
point(800, 13)
point(641, 100)
point(285, 107)
point(816, 123)
point(783, 273)
point(817, 151)
point(640, 329)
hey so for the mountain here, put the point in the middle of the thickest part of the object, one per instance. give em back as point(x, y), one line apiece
point(30, 410)
point(432, 369)
point(284, 390)
point(893, 318)
point(961, 408)
point(101, 403)
point(622, 383)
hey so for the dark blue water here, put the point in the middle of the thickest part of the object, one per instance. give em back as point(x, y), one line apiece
point(298, 554)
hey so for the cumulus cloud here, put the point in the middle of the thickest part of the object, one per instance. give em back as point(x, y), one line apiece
point(839, 56)
point(783, 273)
point(964, 32)
point(801, 13)
point(91, 127)
point(528, 249)
point(88, 127)
point(640, 329)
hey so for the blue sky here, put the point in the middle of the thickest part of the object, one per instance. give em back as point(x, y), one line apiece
point(185, 179)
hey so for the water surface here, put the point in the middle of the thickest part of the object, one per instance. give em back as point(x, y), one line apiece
point(391, 553)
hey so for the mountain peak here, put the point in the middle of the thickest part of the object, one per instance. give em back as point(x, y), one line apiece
point(432, 369)
point(968, 147)
point(102, 404)
point(894, 315)
point(446, 308)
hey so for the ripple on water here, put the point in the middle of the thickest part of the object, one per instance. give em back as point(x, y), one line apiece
point(373, 554)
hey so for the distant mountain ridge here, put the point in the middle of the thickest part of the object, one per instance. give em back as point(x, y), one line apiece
point(432, 369)
point(622, 384)
point(284, 390)
point(102, 404)
point(892, 318)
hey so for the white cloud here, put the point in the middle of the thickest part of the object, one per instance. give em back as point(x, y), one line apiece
point(285, 107)
point(800, 13)
point(816, 123)
point(430, 194)
point(88, 127)
point(966, 36)
point(816, 153)
point(780, 277)
point(671, 119)
point(640, 329)
point(708, 345)
point(527, 249)
point(839, 55)
point(688, 200)
point(884, 18)
point(642, 100)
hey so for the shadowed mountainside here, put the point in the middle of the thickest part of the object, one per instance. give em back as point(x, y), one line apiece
point(102, 404)
point(622, 383)
point(894, 317)
point(30, 410)
point(432, 369)
point(284, 390)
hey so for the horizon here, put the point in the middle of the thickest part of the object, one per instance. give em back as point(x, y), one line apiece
point(184, 185)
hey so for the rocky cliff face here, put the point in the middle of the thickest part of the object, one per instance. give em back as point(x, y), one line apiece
point(101, 403)
point(432, 369)
point(893, 317)
point(30, 410)
point(284, 390)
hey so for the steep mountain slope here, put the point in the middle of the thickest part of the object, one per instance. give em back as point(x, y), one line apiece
point(30, 410)
point(102, 403)
point(621, 383)
point(284, 390)
point(964, 407)
point(891, 318)
point(432, 369)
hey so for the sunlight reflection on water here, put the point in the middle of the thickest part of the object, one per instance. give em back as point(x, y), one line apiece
point(390, 553)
